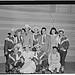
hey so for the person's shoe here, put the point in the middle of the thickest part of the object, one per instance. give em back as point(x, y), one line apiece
point(51, 71)
point(62, 69)
point(57, 72)
point(43, 71)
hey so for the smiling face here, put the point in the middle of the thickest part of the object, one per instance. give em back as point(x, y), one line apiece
point(53, 31)
point(44, 31)
point(19, 34)
point(35, 30)
point(61, 34)
point(27, 29)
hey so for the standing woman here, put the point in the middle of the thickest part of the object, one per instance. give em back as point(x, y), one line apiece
point(54, 34)
point(63, 45)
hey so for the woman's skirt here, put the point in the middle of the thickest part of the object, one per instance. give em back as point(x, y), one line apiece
point(28, 67)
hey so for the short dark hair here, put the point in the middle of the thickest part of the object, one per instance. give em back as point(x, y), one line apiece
point(55, 47)
point(42, 29)
point(53, 28)
point(61, 31)
point(9, 33)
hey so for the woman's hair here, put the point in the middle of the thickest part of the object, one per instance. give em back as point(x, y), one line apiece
point(61, 31)
point(42, 29)
point(53, 28)
point(9, 34)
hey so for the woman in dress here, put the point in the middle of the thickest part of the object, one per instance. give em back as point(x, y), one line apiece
point(54, 60)
point(54, 34)
point(29, 65)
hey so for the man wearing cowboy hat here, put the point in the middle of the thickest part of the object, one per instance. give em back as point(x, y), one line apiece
point(8, 46)
point(27, 37)
point(36, 35)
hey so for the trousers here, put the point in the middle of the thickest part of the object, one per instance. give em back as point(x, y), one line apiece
point(62, 57)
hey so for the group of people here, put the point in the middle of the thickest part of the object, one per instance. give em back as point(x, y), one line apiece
point(30, 50)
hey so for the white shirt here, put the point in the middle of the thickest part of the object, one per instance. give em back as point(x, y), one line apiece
point(42, 38)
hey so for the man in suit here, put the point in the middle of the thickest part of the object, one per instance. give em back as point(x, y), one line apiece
point(45, 42)
point(8, 46)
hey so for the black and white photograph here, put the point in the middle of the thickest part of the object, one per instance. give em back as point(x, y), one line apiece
point(37, 39)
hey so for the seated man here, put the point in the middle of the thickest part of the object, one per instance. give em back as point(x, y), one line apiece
point(54, 60)
point(15, 59)
point(37, 56)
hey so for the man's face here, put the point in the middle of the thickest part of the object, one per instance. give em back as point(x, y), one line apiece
point(12, 33)
point(36, 30)
point(61, 34)
point(44, 31)
point(19, 34)
point(53, 31)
